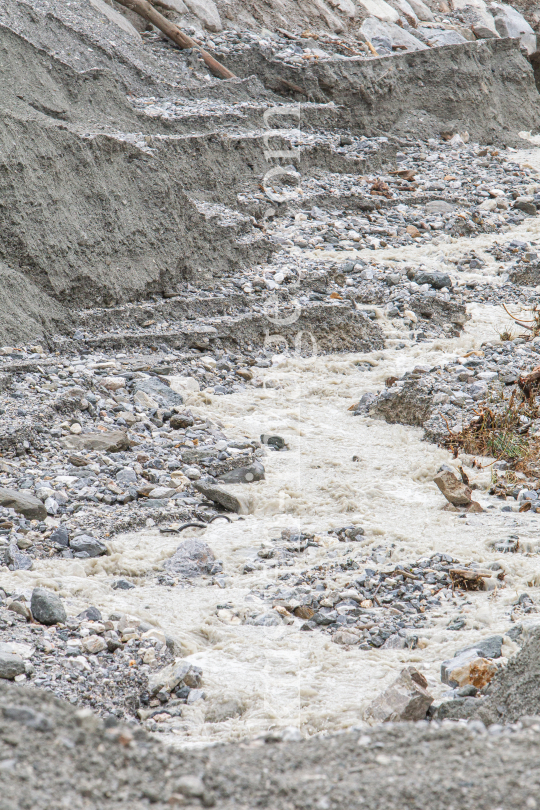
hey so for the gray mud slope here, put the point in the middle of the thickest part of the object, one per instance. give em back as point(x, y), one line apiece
point(53, 756)
point(101, 204)
point(86, 214)
point(486, 88)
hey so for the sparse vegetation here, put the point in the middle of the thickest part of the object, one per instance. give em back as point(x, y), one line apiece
point(501, 430)
point(532, 325)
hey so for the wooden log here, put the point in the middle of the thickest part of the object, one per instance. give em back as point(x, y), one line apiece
point(148, 12)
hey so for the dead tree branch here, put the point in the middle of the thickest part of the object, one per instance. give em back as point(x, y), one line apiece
point(148, 12)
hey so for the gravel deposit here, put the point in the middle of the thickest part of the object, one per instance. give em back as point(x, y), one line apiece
point(269, 363)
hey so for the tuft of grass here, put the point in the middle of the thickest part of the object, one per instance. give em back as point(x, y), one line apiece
point(498, 430)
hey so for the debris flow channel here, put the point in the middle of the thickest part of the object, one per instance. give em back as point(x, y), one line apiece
point(267, 667)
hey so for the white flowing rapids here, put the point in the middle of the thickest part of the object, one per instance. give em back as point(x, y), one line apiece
point(280, 676)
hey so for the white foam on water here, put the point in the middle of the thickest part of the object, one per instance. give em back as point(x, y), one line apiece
point(281, 675)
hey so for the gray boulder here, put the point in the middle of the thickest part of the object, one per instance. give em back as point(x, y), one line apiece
point(226, 498)
point(126, 476)
point(159, 391)
point(111, 441)
point(91, 614)
point(387, 35)
point(490, 647)
point(434, 279)
point(11, 665)
point(116, 18)
point(440, 207)
point(437, 37)
point(23, 503)
point(526, 204)
point(406, 699)
point(16, 560)
point(191, 559)
point(244, 475)
point(510, 23)
point(60, 536)
point(478, 390)
point(456, 492)
point(47, 607)
point(84, 545)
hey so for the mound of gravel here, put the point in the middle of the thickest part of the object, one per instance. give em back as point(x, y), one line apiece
point(53, 755)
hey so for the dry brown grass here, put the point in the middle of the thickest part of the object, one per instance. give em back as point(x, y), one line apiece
point(532, 325)
point(500, 430)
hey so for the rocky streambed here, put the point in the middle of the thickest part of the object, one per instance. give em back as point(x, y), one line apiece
point(268, 450)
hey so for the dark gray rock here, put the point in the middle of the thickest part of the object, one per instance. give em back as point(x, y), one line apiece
point(122, 585)
point(91, 614)
point(273, 441)
point(126, 476)
point(60, 536)
point(467, 691)
point(158, 390)
point(16, 560)
point(11, 665)
point(23, 503)
point(84, 545)
point(244, 475)
point(47, 607)
point(436, 280)
point(458, 709)
point(191, 559)
point(218, 494)
point(487, 648)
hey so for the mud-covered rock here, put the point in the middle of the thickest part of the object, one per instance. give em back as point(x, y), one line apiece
point(455, 492)
point(406, 699)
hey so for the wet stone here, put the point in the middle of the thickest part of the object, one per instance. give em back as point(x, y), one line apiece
point(47, 607)
point(191, 559)
point(83, 545)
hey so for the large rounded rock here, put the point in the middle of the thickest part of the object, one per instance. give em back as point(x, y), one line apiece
point(47, 607)
point(434, 279)
point(23, 503)
point(11, 665)
point(192, 558)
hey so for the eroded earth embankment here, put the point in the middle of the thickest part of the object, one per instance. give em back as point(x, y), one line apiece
point(268, 476)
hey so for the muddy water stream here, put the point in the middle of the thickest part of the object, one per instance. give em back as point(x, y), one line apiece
point(277, 676)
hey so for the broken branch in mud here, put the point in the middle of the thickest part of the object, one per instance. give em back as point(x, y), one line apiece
point(468, 579)
point(533, 325)
point(148, 12)
point(530, 383)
